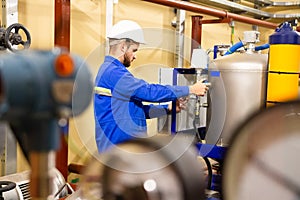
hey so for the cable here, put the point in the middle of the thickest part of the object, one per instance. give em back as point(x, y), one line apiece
point(209, 169)
point(196, 129)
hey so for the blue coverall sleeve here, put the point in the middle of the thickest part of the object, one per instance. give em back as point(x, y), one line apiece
point(153, 111)
point(130, 87)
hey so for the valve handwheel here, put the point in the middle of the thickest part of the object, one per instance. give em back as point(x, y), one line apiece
point(14, 38)
point(8, 185)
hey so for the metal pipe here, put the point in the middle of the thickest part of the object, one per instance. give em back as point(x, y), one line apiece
point(62, 39)
point(180, 26)
point(212, 12)
point(62, 23)
point(196, 31)
point(41, 177)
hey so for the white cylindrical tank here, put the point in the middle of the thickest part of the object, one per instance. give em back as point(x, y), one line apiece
point(238, 88)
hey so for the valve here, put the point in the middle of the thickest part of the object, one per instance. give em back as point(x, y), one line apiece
point(13, 38)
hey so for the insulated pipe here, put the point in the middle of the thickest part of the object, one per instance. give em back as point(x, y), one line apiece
point(212, 12)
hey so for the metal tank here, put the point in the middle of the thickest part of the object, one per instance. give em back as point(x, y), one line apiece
point(284, 65)
point(238, 88)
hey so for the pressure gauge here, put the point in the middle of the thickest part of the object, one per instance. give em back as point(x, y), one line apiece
point(262, 161)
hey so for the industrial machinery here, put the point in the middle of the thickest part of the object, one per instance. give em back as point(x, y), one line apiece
point(242, 84)
point(19, 186)
point(40, 90)
point(157, 168)
point(238, 82)
point(193, 117)
point(284, 62)
point(262, 161)
point(238, 89)
point(15, 38)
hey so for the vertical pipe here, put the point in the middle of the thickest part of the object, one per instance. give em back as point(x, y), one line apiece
point(41, 178)
point(62, 39)
point(180, 26)
point(231, 24)
point(196, 32)
point(109, 21)
point(62, 24)
point(9, 12)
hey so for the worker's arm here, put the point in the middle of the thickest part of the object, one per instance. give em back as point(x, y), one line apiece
point(126, 86)
point(153, 111)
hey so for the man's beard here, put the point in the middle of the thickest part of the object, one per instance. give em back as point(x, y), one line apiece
point(127, 61)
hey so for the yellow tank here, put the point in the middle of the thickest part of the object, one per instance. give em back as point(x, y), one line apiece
point(284, 65)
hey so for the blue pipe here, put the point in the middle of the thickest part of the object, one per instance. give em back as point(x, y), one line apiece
point(262, 47)
point(238, 45)
point(233, 48)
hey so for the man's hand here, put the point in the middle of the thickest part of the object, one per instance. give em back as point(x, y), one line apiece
point(180, 104)
point(199, 88)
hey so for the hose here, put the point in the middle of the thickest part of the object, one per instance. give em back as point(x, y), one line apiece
point(240, 44)
point(234, 47)
point(207, 162)
point(262, 47)
point(196, 129)
point(210, 172)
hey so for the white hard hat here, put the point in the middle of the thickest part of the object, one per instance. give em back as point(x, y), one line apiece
point(127, 29)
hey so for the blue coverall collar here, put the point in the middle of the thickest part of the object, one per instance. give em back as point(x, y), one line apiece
point(110, 58)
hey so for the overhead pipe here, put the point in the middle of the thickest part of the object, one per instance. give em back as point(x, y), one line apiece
point(213, 12)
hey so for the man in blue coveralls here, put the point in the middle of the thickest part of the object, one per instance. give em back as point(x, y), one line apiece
point(120, 114)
